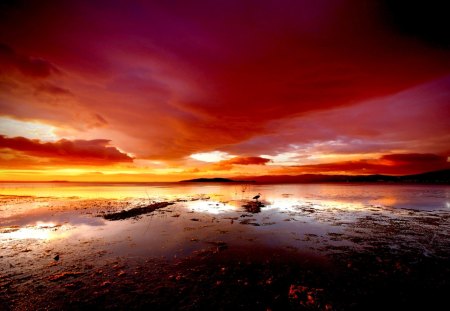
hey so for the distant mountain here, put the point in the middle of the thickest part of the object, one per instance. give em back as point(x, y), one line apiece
point(319, 178)
point(209, 180)
point(442, 176)
point(439, 177)
point(435, 177)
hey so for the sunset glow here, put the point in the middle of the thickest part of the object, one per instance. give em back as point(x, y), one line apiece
point(167, 91)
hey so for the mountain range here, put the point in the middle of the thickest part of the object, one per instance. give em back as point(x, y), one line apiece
point(435, 177)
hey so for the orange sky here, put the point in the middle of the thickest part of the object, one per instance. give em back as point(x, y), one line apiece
point(170, 90)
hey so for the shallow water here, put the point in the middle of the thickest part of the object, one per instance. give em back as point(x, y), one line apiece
point(69, 211)
point(421, 197)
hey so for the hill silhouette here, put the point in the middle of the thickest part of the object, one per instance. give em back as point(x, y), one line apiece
point(439, 177)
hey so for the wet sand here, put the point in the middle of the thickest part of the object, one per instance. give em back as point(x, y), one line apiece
point(196, 252)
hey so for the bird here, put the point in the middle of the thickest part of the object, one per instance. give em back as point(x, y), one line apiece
point(256, 197)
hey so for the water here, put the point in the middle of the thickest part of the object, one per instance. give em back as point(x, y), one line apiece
point(60, 213)
point(298, 216)
point(419, 197)
point(41, 220)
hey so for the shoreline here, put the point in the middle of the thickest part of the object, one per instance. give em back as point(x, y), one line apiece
point(313, 257)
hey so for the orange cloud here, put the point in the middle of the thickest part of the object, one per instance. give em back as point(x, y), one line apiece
point(228, 164)
point(86, 152)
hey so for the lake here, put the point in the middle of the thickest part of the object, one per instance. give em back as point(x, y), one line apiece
point(211, 232)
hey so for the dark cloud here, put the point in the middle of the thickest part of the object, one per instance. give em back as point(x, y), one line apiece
point(416, 158)
point(426, 20)
point(229, 164)
point(29, 66)
point(395, 164)
point(248, 161)
point(53, 89)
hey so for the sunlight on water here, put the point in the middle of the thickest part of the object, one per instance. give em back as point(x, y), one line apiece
point(292, 204)
point(353, 196)
point(212, 207)
point(79, 190)
point(41, 231)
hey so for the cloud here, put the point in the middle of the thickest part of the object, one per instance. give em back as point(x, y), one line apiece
point(414, 158)
point(29, 66)
point(53, 89)
point(247, 161)
point(212, 156)
point(404, 17)
point(86, 152)
point(413, 120)
point(175, 79)
point(229, 164)
point(395, 164)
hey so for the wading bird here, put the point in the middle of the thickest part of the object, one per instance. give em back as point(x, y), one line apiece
point(256, 197)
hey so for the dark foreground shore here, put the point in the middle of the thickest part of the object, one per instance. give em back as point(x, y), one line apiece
point(242, 260)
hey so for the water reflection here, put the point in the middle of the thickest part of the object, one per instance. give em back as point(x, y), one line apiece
point(215, 207)
point(402, 196)
point(297, 216)
point(41, 231)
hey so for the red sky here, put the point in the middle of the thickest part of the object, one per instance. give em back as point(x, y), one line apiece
point(169, 90)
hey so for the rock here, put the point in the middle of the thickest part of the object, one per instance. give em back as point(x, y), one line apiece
point(63, 275)
point(105, 283)
point(307, 296)
point(253, 206)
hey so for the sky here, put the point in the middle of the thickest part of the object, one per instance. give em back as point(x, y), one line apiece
point(172, 90)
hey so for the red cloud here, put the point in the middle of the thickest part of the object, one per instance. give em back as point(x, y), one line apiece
point(247, 161)
point(95, 152)
point(414, 158)
point(236, 70)
point(28, 66)
point(53, 89)
point(394, 164)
